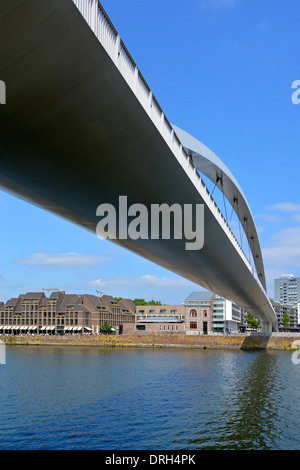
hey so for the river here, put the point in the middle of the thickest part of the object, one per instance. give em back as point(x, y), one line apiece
point(85, 398)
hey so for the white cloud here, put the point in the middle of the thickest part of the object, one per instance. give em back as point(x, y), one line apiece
point(145, 281)
point(284, 249)
point(296, 218)
point(68, 260)
point(270, 218)
point(169, 290)
point(284, 207)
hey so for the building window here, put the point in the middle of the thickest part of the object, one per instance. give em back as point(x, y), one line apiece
point(205, 313)
point(141, 327)
point(193, 325)
point(193, 313)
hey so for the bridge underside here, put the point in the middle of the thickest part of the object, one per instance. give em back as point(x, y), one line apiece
point(73, 136)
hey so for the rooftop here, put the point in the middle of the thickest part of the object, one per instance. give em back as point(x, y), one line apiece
point(199, 296)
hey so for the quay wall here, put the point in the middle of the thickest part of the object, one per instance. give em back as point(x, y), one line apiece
point(275, 341)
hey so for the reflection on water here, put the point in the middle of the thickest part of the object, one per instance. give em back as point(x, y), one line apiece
point(249, 403)
point(89, 398)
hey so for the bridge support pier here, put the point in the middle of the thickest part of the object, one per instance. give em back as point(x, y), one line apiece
point(267, 327)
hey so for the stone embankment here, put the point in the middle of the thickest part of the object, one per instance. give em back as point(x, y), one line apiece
point(276, 341)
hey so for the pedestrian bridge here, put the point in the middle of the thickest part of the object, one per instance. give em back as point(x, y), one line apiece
point(81, 127)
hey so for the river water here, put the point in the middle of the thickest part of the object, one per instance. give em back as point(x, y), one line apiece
point(152, 399)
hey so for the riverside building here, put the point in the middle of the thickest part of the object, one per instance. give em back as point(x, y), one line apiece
point(157, 319)
point(62, 313)
point(208, 313)
point(157, 311)
point(226, 317)
point(198, 313)
point(292, 313)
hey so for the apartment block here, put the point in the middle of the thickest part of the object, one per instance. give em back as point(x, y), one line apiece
point(62, 313)
point(287, 289)
point(293, 314)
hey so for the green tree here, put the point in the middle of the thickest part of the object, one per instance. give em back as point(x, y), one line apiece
point(105, 328)
point(139, 302)
point(144, 302)
point(251, 321)
point(286, 320)
point(154, 302)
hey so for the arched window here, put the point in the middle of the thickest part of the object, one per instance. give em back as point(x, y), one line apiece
point(193, 313)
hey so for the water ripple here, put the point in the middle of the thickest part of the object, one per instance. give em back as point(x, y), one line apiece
point(85, 398)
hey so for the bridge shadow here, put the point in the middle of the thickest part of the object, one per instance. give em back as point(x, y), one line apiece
point(254, 341)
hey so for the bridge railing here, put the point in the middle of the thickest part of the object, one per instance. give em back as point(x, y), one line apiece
point(103, 28)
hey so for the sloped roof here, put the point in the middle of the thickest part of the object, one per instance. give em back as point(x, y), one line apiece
point(199, 296)
point(33, 295)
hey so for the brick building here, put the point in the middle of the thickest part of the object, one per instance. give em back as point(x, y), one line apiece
point(198, 313)
point(174, 311)
point(62, 313)
point(156, 325)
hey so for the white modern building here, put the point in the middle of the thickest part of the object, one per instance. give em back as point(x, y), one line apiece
point(226, 316)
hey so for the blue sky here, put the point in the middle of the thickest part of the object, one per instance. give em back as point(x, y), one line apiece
point(222, 70)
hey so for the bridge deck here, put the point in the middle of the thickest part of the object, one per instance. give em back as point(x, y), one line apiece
point(74, 135)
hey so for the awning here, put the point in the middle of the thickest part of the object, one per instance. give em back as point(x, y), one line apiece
point(87, 328)
point(43, 328)
point(48, 328)
point(52, 327)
